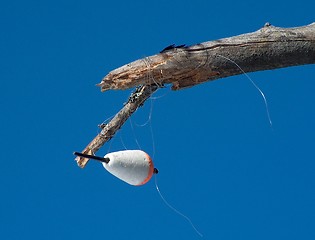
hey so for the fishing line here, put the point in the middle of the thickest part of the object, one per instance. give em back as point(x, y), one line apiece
point(134, 133)
point(122, 141)
point(254, 84)
point(168, 90)
point(147, 62)
point(150, 79)
point(149, 123)
point(173, 208)
point(149, 117)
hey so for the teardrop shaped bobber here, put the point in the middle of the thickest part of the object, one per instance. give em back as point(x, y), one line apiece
point(134, 167)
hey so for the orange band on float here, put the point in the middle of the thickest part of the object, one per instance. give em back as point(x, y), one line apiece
point(151, 170)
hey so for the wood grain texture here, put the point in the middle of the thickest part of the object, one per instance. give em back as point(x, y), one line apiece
point(268, 48)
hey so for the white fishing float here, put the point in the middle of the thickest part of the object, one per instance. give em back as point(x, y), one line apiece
point(131, 166)
point(134, 167)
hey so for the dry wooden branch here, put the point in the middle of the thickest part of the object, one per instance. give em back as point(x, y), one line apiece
point(108, 130)
point(265, 49)
point(268, 48)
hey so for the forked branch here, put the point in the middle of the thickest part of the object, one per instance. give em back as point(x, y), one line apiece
point(268, 48)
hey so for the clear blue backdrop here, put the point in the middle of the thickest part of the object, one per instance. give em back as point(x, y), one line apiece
point(220, 162)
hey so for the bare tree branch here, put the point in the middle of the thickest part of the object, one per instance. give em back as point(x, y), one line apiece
point(135, 101)
point(268, 48)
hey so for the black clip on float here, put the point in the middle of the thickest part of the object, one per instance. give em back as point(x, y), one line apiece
point(101, 159)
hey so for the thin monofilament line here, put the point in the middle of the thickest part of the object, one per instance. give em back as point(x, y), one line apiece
point(134, 134)
point(254, 84)
point(147, 61)
point(168, 90)
point(122, 141)
point(174, 209)
point(149, 117)
point(153, 142)
point(149, 121)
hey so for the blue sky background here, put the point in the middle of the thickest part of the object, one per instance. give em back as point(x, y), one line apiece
point(220, 162)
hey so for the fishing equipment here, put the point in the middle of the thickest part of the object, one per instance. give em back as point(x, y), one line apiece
point(134, 167)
